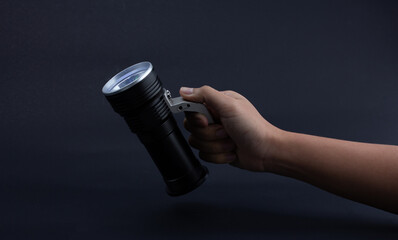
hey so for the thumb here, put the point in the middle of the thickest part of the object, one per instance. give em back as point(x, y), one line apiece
point(205, 94)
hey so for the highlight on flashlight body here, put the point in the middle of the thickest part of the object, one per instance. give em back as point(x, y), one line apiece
point(136, 93)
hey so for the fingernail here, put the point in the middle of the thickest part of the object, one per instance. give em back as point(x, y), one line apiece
point(186, 90)
point(221, 133)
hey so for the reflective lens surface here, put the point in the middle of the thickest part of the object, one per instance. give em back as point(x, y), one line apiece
point(127, 78)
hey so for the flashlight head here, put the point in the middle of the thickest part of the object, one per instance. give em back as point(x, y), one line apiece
point(127, 78)
point(131, 90)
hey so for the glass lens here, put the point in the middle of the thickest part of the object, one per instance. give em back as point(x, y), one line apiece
point(127, 78)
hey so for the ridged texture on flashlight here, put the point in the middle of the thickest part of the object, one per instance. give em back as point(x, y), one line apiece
point(157, 111)
point(132, 104)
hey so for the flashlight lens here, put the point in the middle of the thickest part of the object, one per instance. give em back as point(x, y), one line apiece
point(127, 78)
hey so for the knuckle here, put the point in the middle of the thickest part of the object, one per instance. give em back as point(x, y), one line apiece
point(205, 88)
point(232, 107)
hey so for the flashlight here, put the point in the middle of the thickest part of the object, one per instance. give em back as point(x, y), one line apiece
point(136, 93)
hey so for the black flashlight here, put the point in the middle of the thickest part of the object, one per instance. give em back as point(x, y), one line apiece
point(136, 93)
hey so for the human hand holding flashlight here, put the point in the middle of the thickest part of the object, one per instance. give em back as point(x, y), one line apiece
point(363, 172)
point(242, 137)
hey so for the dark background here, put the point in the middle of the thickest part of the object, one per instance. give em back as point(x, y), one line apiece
point(70, 168)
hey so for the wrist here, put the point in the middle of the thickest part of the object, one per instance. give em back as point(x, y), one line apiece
point(287, 161)
point(277, 160)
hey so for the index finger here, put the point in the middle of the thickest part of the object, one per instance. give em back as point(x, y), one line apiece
point(196, 119)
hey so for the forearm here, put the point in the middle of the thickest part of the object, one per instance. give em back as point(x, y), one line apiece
point(366, 173)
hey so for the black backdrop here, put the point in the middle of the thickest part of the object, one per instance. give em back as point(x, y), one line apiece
point(70, 169)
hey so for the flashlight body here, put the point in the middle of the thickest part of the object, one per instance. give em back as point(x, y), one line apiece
point(181, 170)
point(146, 113)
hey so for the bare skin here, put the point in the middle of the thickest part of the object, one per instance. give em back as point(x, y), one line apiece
point(363, 172)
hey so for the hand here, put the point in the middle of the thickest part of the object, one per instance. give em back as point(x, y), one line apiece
point(242, 137)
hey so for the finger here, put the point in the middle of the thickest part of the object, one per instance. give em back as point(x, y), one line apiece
point(196, 119)
point(218, 158)
point(209, 133)
point(219, 146)
point(232, 94)
point(235, 163)
point(206, 94)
